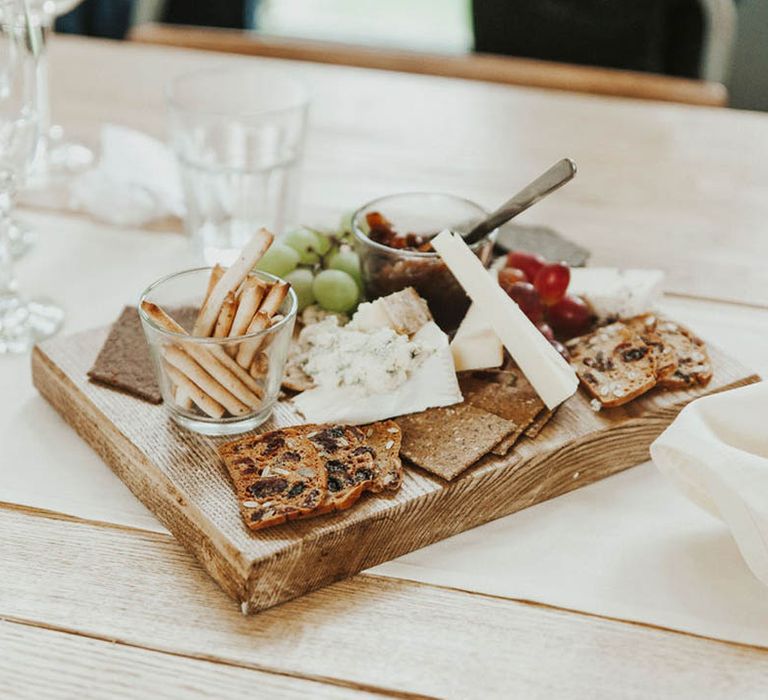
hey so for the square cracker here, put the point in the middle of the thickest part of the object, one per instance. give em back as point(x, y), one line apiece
point(541, 420)
point(124, 362)
point(445, 441)
point(507, 394)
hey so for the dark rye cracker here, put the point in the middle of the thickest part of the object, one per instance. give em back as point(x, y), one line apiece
point(277, 475)
point(445, 441)
point(124, 362)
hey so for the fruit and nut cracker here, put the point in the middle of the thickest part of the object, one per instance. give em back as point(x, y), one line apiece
point(310, 470)
point(621, 361)
point(614, 364)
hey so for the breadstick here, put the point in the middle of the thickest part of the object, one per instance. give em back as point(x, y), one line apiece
point(204, 402)
point(242, 374)
point(248, 349)
point(274, 299)
point(187, 366)
point(230, 281)
point(250, 299)
point(260, 365)
point(213, 360)
point(216, 272)
point(226, 316)
point(182, 398)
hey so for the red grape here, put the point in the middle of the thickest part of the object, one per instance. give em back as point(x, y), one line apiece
point(570, 317)
point(546, 331)
point(509, 275)
point(552, 282)
point(529, 263)
point(527, 298)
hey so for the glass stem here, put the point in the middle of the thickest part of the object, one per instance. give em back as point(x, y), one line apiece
point(7, 276)
point(42, 94)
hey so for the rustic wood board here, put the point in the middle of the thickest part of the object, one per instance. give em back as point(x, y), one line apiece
point(179, 476)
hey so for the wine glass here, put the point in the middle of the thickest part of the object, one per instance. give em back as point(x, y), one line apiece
point(54, 156)
point(22, 322)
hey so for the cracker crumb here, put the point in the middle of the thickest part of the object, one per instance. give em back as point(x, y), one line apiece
point(595, 405)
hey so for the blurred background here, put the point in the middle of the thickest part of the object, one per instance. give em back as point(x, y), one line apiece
point(720, 41)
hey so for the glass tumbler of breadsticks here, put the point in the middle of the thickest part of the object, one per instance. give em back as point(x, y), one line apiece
point(219, 346)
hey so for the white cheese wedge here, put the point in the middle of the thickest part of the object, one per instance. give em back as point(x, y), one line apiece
point(475, 345)
point(551, 376)
point(369, 316)
point(431, 384)
point(613, 293)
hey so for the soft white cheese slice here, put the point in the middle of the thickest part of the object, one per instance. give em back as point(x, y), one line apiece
point(613, 293)
point(431, 384)
point(551, 376)
point(475, 345)
point(369, 316)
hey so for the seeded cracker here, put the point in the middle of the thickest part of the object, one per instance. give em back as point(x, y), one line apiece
point(445, 441)
point(541, 420)
point(507, 394)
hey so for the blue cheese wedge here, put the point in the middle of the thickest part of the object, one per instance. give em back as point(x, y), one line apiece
point(377, 375)
point(377, 360)
point(615, 294)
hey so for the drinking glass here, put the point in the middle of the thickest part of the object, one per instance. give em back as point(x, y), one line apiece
point(54, 156)
point(238, 135)
point(22, 322)
point(267, 351)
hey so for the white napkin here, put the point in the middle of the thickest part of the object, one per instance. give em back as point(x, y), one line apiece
point(716, 452)
point(433, 383)
point(135, 181)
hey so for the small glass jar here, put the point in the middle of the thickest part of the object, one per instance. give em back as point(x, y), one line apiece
point(385, 270)
point(215, 386)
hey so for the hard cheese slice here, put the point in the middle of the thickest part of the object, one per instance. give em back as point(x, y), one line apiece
point(475, 345)
point(551, 376)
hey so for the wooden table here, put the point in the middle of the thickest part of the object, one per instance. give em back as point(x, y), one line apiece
point(94, 608)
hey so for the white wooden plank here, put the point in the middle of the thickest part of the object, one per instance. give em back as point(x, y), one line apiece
point(40, 663)
point(143, 589)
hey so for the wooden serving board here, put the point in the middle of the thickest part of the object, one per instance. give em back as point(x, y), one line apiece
point(179, 476)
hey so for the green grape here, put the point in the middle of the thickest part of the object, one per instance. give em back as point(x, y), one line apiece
point(301, 282)
point(323, 244)
point(335, 290)
point(306, 243)
point(347, 261)
point(279, 260)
